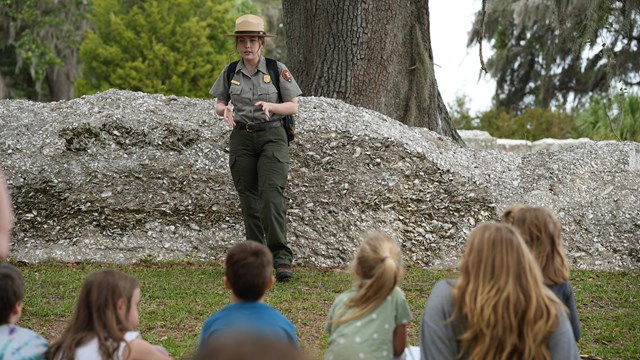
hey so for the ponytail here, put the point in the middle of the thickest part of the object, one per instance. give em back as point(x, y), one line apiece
point(378, 267)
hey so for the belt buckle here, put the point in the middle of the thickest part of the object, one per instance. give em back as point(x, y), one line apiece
point(249, 129)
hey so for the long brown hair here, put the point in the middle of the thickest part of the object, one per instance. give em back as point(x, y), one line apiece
point(542, 232)
point(378, 267)
point(96, 315)
point(500, 302)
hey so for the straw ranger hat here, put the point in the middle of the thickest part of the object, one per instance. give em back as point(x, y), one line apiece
point(250, 25)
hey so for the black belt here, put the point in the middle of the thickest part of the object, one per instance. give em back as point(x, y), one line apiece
point(258, 126)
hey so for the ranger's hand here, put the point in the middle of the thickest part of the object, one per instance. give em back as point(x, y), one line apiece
point(228, 115)
point(267, 108)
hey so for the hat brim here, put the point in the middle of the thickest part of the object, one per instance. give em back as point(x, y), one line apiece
point(250, 34)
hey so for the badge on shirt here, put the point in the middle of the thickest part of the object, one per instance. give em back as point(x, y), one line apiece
point(267, 79)
point(233, 82)
point(287, 75)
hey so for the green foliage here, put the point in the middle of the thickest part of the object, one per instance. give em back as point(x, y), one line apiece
point(17, 81)
point(556, 53)
point(36, 36)
point(243, 7)
point(531, 124)
point(170, 47)
point(601, 118)
point(459, 113)
point(605, 118)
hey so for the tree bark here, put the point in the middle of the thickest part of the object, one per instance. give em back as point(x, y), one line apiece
point(1, 87)
point(370, 53)
point(61, 79)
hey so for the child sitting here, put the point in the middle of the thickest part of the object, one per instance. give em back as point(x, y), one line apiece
point(103, 323)
point(498, 308)
point(542, 233)
point(16, 342)
point(248, 276)
point(370, 320)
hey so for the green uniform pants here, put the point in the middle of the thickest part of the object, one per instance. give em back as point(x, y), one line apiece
point(259, 163)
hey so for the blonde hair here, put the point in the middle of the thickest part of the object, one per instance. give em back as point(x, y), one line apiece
point(542, 233)
point(499, 300)
point(378, 267)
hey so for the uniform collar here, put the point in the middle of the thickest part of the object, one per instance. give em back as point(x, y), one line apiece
point(262, 65)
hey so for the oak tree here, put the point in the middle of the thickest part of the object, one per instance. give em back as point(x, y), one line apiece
point(374, 54)
point(556, 53)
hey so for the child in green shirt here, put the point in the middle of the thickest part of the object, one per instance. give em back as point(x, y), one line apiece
point(370, 320)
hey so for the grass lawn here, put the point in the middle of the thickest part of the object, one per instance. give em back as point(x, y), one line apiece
point(178, 297)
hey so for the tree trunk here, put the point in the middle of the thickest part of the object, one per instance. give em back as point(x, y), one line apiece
point(61, 79)
point(374, 54)
point(66, 45)
point(1, 87)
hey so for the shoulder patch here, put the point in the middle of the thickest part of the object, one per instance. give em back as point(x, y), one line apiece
point(287, 75)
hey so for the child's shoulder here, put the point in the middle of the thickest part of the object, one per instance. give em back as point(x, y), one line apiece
point(397, 293)
point(244, 309)
point(24, 341)
point(347, 293)
point(344, 297)
point(443, 289)
point(562, 290)
point(13, 331)
point(141, 349)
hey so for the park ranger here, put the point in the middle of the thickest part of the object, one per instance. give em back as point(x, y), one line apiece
point(249, 100)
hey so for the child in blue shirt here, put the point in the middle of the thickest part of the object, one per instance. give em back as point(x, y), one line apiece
point(248, 276)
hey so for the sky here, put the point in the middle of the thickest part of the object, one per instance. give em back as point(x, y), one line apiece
point(457, 67)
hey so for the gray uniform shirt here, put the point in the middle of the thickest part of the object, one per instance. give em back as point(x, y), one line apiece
point(438, 338)
point(247, 89)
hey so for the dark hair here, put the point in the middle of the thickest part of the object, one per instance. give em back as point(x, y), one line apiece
point(96, 315)
point(247, 346)
point(11, 290)
point(248, 270)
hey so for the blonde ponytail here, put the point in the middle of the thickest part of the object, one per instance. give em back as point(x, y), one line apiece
point(378, 266)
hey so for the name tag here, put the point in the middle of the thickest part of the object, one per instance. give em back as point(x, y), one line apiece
point(233, 82)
